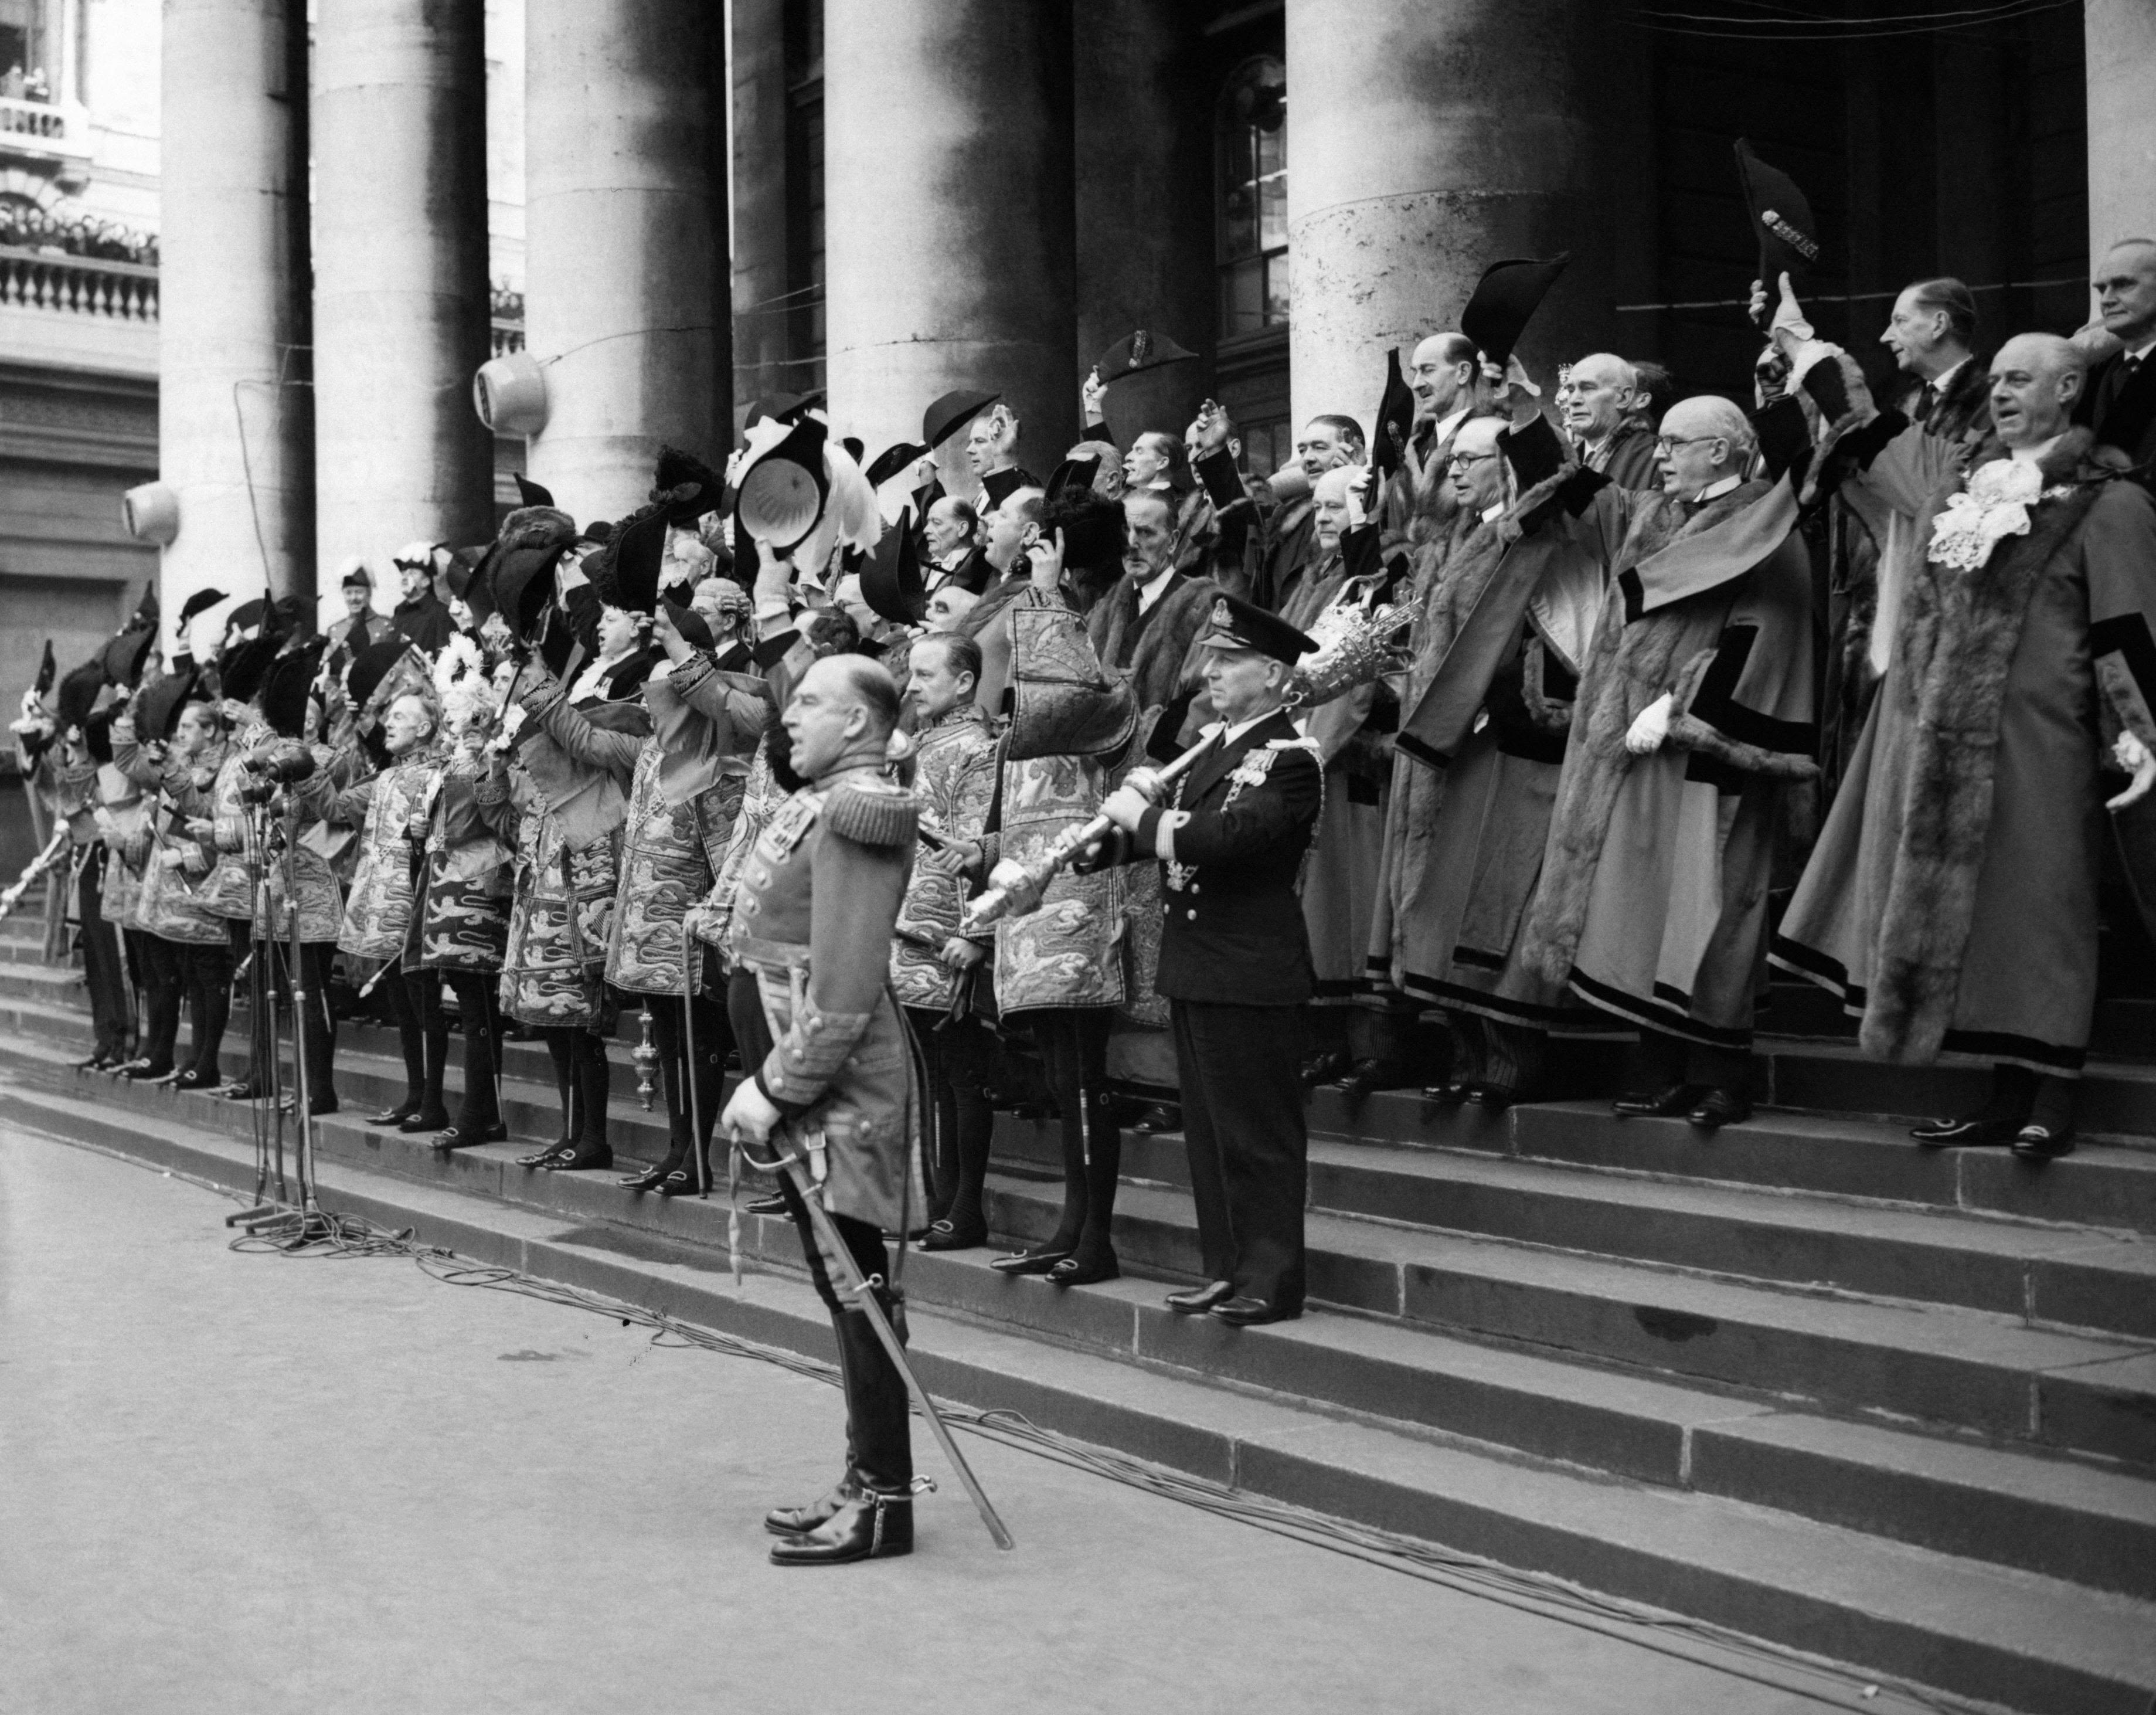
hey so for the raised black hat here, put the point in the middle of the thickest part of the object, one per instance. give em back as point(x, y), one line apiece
point(79, 693)
point(1395, 419)
point(1135, 353)
point(1072, 474)
point(891, 579)
point(97, 732)
point(1781, 218)
point(891, 460)
point(243, 669)
point(519, 568)
point(1505, 298)
point(1235, 623)
point(953, 413)
point(245, 614)
point(290, 682)
point(999, 485)
point(47, 667)
point(782, 494)
point(531, 494)
point(1094, 531)
point(124, 656)
point(624, 573)
point(157, 709)
point(695, 631)
point(781, 407)
point(684, 487)
point(200, 602)
point(371, 666)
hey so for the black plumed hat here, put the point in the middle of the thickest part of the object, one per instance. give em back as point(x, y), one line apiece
point(518, 569)
point(287, 687)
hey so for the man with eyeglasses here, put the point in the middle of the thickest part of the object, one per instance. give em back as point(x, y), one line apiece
point(1696, 712)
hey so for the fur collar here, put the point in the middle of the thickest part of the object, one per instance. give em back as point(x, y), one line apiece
point(1165, 637)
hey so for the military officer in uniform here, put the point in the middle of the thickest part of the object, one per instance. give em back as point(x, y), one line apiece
point(1234, 960)
point(818, 899)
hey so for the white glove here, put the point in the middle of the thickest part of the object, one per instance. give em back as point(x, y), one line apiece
point(2138, 760)
point(1651, 726)
point(750, 1113)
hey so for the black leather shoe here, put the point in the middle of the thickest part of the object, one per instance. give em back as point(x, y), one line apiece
point(873, 1526)
point(1720, 1107)
point(1657, 1104)
point(2035, 1143)
point(1028, 1262)
point(772, 1204)
point(1249, 1312)
point(682, 1182)
point(799, 1521)
point(435, 1122)
point(1197, 1300)
point(1450, 1094)
point(456, 1137)
point(1323, 1068)
point(395, 1116)
point(577, 1157)
point(539, 1158)
point(1965, 1134)
point(948, 1235)
point(141, 1072)
point(1072, 1271)
point(1371, 1076)
point(651, 1177)
point(196, 1078)
point(1161, 1116)
point(1496, 1097)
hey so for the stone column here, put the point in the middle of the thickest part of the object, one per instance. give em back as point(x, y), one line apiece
point(2121, 37)
point(947, 217)
point(1428, 139)
point(760, 195)
point(1144, 150)
point(401, 286)
point(626, 290)
point(234, 408)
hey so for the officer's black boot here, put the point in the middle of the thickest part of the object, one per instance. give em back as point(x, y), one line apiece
point(798, 1521)
point(877, 1521)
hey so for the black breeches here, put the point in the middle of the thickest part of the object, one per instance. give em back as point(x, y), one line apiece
point(959, 1123)
point(864, 1243)
point(162, 985)
point(480, 1109)
point(1073, 1055)
point(102, 969)
point(206, 973)
point(423, 1033)
point(706, 1023)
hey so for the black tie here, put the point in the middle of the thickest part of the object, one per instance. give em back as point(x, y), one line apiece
point(2116, 382)
point(1926, 402)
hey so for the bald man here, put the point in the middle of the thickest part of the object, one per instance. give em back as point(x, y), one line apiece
point(1952, 899)
point(1599, 402)
point(1695, 712)
point(820, 898)
point(2119, 401)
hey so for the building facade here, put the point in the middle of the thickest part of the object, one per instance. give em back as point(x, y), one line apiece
point(919, 195)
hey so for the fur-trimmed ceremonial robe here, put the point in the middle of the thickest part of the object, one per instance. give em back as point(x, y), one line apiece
point(818, 898)
point(1341, 880)
point(1496, 651)
point(1652, 900)
point(1950, 900)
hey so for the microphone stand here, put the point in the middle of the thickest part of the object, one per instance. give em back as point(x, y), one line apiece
point(261, 1068)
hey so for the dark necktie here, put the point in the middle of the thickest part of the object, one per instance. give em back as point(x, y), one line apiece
point(2116, 382)
point(1927, 400)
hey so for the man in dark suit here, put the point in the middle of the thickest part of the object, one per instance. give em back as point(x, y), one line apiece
point(1234, 961)
point(2119, 402)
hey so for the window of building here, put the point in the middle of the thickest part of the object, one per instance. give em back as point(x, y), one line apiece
point(1252, 199)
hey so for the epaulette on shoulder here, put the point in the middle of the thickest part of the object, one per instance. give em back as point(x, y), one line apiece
point(871, 812)
point(1300, 742)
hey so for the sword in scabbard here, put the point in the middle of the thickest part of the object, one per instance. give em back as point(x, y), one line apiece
point(862, 1290)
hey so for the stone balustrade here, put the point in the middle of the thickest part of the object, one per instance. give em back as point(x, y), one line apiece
point(77, 285)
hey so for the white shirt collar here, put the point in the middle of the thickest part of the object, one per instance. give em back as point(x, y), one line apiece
point(1938, 382)
point(1493, 511)
point(1445, 425)
point(1236, 732)
point(1715, 490)
point(1149, 592)
point(590, 681)
point(2139, 354)
point(2035, 454)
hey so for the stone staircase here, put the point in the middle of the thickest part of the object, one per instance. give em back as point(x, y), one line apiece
point(1892, 1407)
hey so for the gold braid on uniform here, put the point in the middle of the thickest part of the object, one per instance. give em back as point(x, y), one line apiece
point(872, 813)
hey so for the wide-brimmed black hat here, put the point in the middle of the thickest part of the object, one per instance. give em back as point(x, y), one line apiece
point(999, 485)
point(246, 613)
point(200, 602)
point(1072, 474)
point(953, 413)
point(1235, 623)
point(517, 574)
point(371, 666)
point(782, 495)
point(781, 407)
point(1505, 298)
point(287, 687)
point(1135, 353)
point(892, 460)
point(890, 577)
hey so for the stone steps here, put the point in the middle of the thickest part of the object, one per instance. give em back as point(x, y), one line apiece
point(2010, 1636)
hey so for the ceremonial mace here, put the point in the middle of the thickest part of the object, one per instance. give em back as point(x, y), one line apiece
point(861, 1289)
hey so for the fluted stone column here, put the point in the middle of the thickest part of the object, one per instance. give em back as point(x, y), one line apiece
point(234, 409)
point(947, 217)
point(762, 310)
point(401, 312)
point(626, 288)
point(2121, 39)
point(1428, 139)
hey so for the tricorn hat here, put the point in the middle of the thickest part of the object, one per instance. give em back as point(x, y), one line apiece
point(246, 613)
point(999, 485)
point(157, 709)
point(245, 666)
point(891, 579)
point(47, 667)
point(518, 568)
point(1781, 218)
point(695, 631)
point(624, 573)
point(1072, 474)
point(124, 656)
point(290, 682)
point(779, 408)
point(200, 602)
point(1135, 353)
point(79, 693)
point(1395, 419)
point(891, 460)
point(953, 413)
point(785, 487)
point(1093, 529)
point(531, 494)
point(1505, 298)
